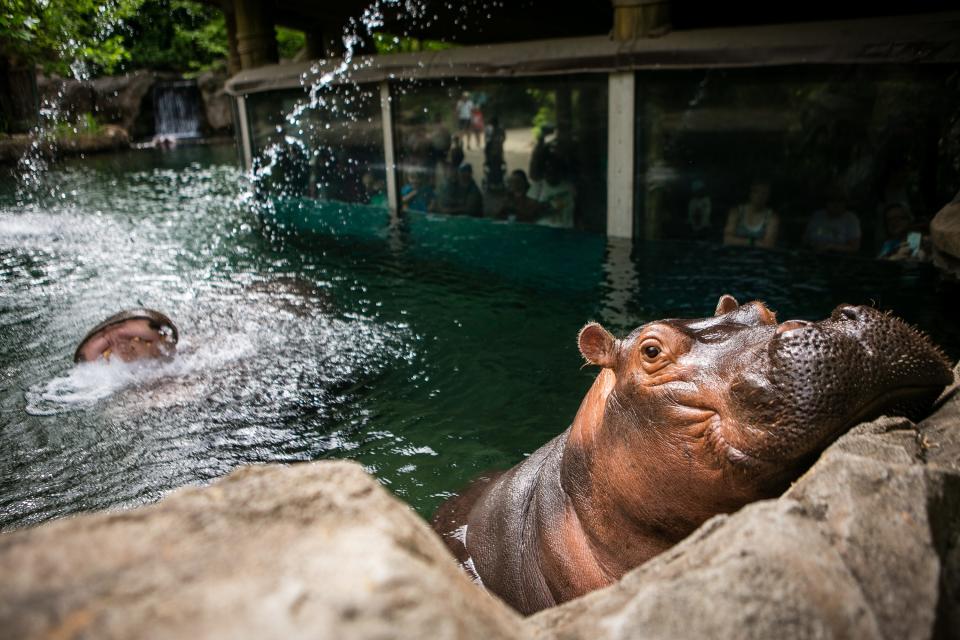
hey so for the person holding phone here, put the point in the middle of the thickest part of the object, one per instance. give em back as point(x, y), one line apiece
point(904, 241)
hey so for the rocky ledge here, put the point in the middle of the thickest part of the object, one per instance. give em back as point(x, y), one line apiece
point(945, 234)
point(106, 138)
point(865, 545)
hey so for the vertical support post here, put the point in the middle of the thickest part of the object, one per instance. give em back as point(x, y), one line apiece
point(243, 124)
point(633, 19)
point(233, 54)
point(316, 45)
point(621, 155)
point(389, 149)
point(256, 41)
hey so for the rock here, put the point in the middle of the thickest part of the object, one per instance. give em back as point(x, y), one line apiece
point(866, 545)
point(940, 438)
point(107, 138)
point(217, 105)
point(765, 572)
point(945, 237)
point(127, 100)
point(940, 433)
point(314, 550)
point(945, 230)
point(71, 98)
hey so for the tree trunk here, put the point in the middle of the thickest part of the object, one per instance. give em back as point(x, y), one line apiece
point(19, 98)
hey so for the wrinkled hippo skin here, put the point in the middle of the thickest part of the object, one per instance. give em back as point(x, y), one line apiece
point(687, 419)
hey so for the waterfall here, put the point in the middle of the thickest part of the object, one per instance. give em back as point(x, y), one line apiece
point(176, 109)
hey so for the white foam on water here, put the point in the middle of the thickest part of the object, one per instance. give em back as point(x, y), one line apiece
point(88, 383)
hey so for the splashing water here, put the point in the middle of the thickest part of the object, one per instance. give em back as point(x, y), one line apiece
point(90, 382)
point(318, 81)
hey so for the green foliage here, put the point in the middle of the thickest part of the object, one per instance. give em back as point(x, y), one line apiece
point(387, 43)
point(176, 35)
point(62, 130)
point(61, 33)
point(290, 42)
point(108, 36)
point(547, 113)
point(76, 37)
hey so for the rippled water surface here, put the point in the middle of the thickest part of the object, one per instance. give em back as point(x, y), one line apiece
point(429, 351)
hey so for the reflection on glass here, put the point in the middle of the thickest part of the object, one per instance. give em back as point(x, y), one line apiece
point(805, 157)
point(329, 149)
point(527, 151)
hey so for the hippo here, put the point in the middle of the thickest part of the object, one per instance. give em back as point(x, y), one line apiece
point(132, 334)
point(687, 419)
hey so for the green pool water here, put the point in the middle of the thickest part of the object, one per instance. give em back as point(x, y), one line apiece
point(427, 349)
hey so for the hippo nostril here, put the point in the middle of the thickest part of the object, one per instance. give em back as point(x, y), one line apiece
point(850, 313)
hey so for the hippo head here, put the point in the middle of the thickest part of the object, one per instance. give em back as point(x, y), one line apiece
point(760, 395)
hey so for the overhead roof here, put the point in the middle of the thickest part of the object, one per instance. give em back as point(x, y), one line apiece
point(496, 21)
point(927, 38)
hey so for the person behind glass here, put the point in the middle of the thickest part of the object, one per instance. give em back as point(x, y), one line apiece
point(464, 111)
point(461, 197)
point(440, 140)
point(517, 205)
point(476, 126)
point(753, 223)
point(903, 240)
point(374, 189)
point(699, 209)
point(417, 195)
point(446, 170)
point(833, 228)
point(494, 165)
point(548, 183)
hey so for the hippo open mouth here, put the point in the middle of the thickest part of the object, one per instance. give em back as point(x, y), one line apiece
point(132, 334)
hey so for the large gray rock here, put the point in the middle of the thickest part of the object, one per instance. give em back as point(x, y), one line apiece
point(945, 230)
point(945, 237)
point(127, 100)
point(107, 138)
point(217, 105)
point(124, 100)
point(315, 550)
point(865, 545)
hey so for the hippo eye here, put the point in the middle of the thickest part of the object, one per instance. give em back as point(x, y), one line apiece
point(651, 351)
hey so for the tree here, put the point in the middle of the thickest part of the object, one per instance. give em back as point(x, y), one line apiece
point(65, 36)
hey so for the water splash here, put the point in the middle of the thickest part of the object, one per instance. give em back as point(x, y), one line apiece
point(322, 108)
point(86, 384)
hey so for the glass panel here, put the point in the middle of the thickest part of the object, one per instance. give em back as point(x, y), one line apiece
point(530, 150)
point(809, 157)
point(330, 149)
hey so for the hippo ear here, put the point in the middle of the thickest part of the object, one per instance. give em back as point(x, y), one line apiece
point(597, 345)
point(726, 304)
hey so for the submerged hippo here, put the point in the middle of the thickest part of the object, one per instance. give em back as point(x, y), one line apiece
point(133, 334)
point(687, 419)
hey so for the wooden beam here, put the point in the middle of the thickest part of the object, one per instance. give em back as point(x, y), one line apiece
point(634, 19)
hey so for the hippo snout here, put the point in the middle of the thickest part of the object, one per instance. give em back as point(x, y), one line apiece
point(821, 378)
